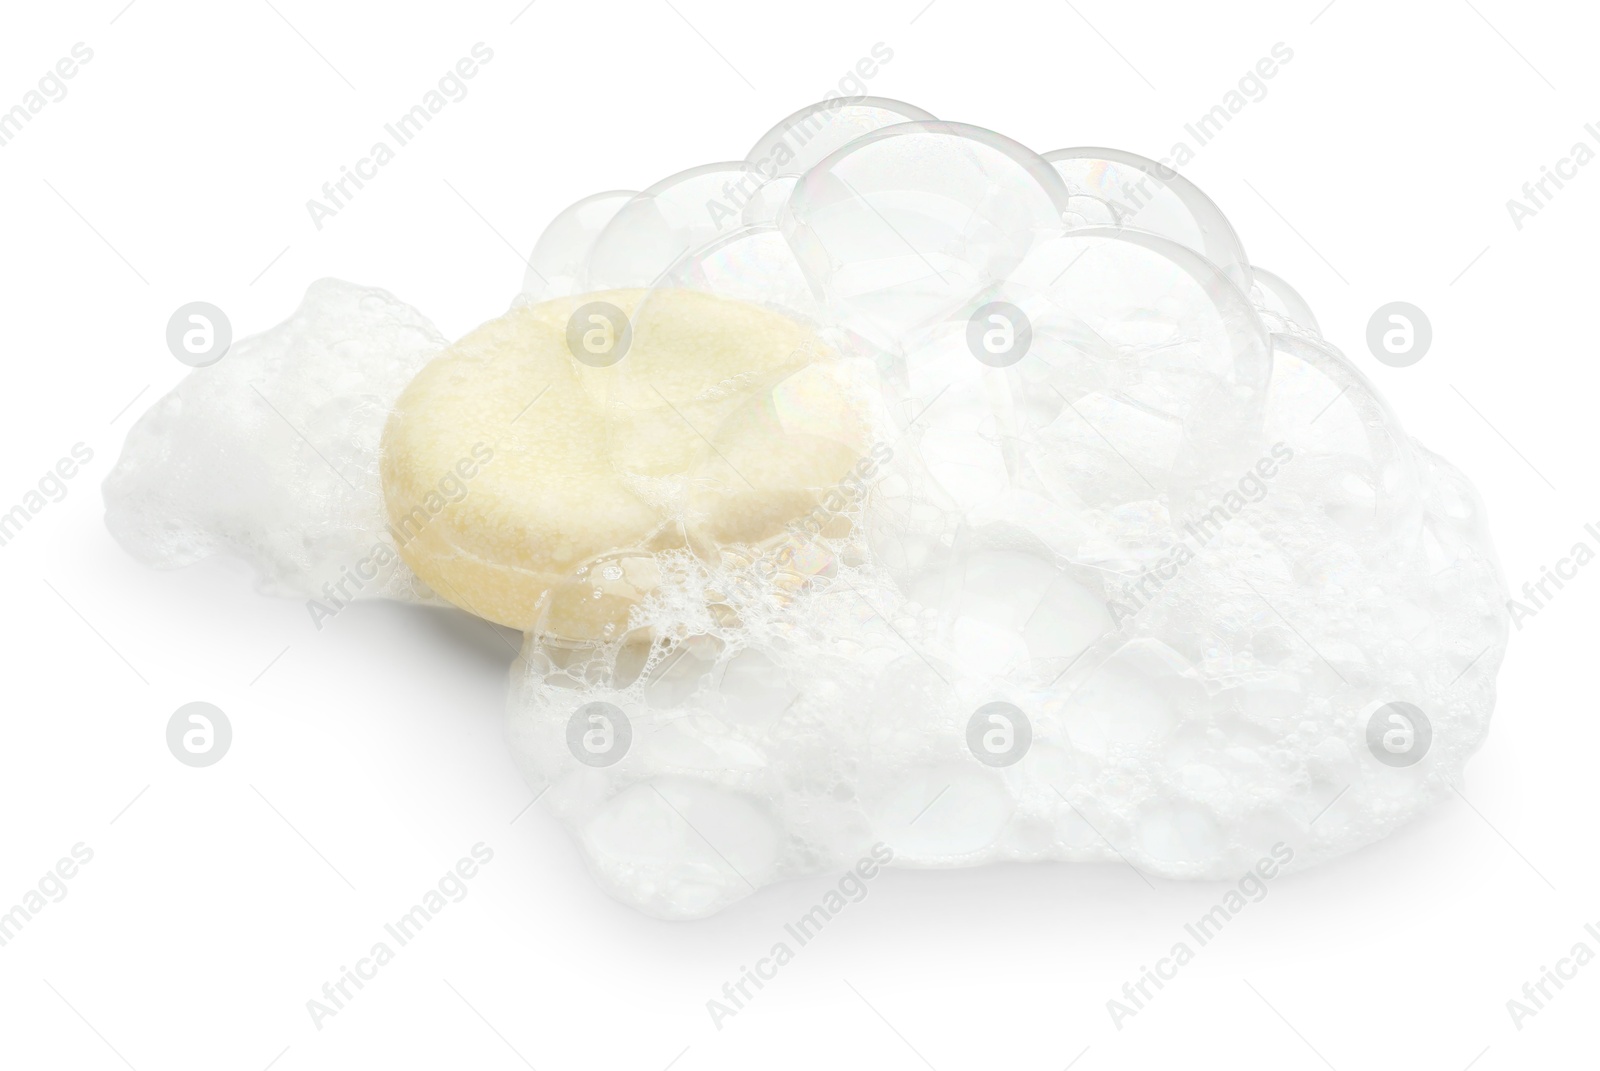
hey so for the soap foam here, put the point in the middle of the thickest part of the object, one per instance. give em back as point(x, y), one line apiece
point(1182, 535)
point(1179, 535)
point(271, 454)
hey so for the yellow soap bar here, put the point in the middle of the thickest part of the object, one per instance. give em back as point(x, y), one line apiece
point(511, 468)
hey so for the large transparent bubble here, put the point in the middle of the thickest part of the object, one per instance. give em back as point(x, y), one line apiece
point(1127, 190)
point(804, 139)
point(558, 265)
point(653, 229)
point(1278, 299)
point(905, 225)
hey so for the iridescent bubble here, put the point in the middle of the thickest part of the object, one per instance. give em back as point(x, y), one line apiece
point(802, 140)
point(657, 227)
point(1354, 462)
point(754, 264)
point(903, 226)
point(1151, 196)
point(767, 202)
point(1276, 296)
point(558, 265)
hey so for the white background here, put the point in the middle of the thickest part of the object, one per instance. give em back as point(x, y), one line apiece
point(178, 168)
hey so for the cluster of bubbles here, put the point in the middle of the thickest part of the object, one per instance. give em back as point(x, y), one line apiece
point(1134, 567)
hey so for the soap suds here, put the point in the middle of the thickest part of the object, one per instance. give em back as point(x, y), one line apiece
point(1147, 586)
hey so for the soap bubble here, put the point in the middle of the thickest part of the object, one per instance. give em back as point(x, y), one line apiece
point(559, 262)
point(653, 229)
point(1357, 458)
point(905, 225)
point(802, 140)
point(753, 264)
point(1277, 298)
point(1149, 196)
point(766, 204)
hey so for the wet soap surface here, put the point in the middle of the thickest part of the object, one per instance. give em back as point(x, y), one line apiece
point(510, 466)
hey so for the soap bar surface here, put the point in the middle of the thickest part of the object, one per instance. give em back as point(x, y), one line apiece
point(511, 467)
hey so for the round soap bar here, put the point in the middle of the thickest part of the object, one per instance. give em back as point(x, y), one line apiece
point(511, 468)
